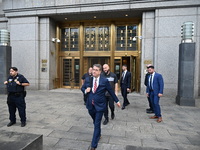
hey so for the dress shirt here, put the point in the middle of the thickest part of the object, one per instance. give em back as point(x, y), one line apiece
point(94, 82)
point(151, 79)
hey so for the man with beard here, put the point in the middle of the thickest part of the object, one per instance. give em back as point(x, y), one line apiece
point(112, 78)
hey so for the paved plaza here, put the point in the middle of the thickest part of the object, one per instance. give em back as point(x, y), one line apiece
point(60, 116)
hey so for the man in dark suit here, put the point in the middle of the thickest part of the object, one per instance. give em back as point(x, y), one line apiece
point(154, 90)
point(96, 88)
point(146, 82)
point(125, 84)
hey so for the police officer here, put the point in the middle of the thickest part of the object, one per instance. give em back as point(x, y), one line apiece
point(16, 96)
point(113, 80)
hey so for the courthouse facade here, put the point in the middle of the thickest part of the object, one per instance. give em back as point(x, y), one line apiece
point(54, 42)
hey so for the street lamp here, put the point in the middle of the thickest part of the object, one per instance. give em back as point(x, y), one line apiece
point(187, 32)
point(135, 38)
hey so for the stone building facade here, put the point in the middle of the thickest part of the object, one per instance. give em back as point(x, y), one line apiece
point(52, 37)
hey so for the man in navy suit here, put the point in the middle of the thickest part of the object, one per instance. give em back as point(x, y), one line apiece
point(154, 90)
point(125, 84)
point(95, 88)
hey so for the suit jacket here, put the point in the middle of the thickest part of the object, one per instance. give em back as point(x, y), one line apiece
point(99, 96)
point(127, 80)
point(158, 84)
point(146, 80)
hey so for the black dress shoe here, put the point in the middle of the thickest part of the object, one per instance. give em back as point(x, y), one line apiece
point(123, 107)
point(112, 115)
point(92, 148)
point(127, 104)
point(148, 109)
point(105, 122)
point(23, 124)
point(10, 124)
point(150, 112)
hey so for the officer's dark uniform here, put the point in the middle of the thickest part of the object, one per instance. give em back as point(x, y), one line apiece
point(112, 78)
point(16, 97)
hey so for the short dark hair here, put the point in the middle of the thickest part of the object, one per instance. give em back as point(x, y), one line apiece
point(150, 67)
point(13, 68)
point(98, 66)
point(124, 65)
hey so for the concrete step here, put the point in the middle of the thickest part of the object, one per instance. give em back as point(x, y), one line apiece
point(20, 141)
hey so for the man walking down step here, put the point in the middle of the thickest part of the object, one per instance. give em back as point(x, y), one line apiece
point(96, 102)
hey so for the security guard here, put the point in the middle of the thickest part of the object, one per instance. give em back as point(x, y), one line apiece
point(16, 96)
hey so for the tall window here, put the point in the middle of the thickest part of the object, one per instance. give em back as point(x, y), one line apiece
point(103, 41)
point(124, 38)
point(97, 39)
point(90, 39)
point(69, 39)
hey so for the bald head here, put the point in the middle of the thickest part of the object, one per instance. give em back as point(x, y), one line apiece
point(106, 68)
point(149, 65)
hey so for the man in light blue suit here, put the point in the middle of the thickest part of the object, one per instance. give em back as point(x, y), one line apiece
point(154, 90)
point(95, 88)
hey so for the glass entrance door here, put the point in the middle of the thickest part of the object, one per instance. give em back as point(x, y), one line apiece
point(131, 66)
point(98, 60)
point(70, 72)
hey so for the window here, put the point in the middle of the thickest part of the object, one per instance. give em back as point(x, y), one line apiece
point(124, 38)
point(69, 39)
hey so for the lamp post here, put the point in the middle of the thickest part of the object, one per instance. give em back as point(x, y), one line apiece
point(185, 93)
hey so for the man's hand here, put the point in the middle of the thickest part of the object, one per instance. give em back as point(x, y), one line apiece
point(128, 90)
point(6, 82)
point(147, 94)
point(160, 95)
point(88, 90)
point(118, 104)
point(17, 82)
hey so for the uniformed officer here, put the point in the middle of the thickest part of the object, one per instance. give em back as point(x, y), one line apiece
point(16, 96)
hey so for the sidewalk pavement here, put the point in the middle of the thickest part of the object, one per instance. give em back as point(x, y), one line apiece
point(66, 125)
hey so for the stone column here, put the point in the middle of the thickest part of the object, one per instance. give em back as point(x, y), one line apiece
point(185, 95)
point(5, 64)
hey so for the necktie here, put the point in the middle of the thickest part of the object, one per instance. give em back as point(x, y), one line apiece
point(94, 90)
point(150, 84)
point(95, 85)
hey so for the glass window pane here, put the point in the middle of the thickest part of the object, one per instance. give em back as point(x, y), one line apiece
point(90, 39)
point(76, 72)
point(74, 39)
point(131, 33)
point(67, 64)
point(65, 39)
point(121, 38)
point(103, 41)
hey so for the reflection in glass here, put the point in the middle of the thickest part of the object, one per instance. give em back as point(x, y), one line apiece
point(103, 41)
point(90, 39)
point(121, 30)
point(124, 38)
point(69, 39)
